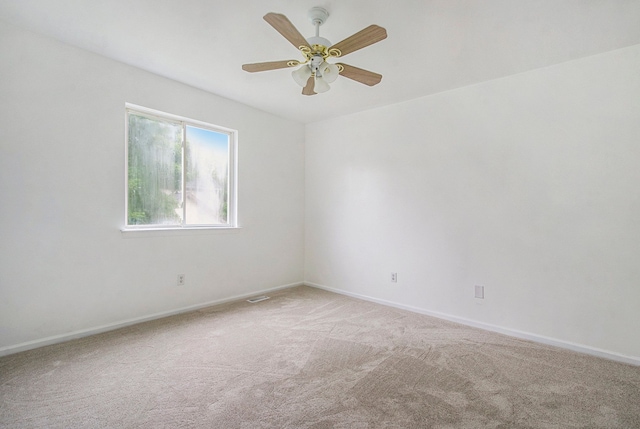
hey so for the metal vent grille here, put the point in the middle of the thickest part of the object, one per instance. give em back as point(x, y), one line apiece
point(257, 299)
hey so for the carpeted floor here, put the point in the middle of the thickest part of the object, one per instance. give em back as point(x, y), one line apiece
point(307, 358)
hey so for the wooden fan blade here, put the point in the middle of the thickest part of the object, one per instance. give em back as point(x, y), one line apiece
point(308, 89)
point(271, 65)
point(363, 38)
point(283, 26)
point(360, 75)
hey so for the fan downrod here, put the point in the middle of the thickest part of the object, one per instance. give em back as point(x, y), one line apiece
point(318, 16)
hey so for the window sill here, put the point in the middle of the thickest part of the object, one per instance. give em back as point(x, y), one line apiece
point(172, 232)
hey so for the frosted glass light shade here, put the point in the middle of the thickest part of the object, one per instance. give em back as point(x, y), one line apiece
point(329, 72)
point(302, 75)
point(321, 85)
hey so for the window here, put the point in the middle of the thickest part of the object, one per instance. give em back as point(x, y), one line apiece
point(180, 172)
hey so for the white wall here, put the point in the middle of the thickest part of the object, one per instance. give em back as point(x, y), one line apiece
point(64, 264)
point(528, 185)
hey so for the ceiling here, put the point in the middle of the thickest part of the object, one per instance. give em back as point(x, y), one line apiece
point(432, 45)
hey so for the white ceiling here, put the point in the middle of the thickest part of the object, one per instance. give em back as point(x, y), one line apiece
point(432, 45)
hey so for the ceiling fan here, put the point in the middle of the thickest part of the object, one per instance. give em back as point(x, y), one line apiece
point(316, 72)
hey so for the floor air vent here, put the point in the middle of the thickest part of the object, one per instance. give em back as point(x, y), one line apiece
point(257, 299)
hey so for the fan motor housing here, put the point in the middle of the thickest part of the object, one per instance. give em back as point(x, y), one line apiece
point(317, 40)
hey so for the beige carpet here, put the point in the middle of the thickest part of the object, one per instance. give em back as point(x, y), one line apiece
point(307, 358)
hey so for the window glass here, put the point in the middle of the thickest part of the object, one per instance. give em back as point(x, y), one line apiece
point(207, 176)
point(154, 178)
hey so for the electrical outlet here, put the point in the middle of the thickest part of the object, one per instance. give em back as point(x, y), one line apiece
point(394, 277)
point(180, 279)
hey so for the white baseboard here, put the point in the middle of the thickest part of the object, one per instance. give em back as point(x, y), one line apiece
point(488, 327)
point(112, 326)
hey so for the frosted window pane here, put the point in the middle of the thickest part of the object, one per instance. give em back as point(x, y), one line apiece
point(155, 172)
point(207, 177)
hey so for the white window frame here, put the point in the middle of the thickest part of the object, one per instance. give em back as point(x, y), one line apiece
point(232, 203)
